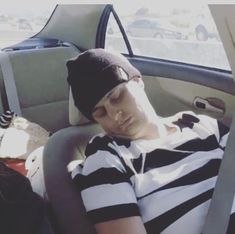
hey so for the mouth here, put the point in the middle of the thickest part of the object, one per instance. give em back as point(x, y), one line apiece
point(126, 122)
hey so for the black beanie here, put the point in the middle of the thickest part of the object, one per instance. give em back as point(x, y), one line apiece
point(93, 74)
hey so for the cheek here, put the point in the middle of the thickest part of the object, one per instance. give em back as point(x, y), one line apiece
point(142, 102)
point(136, 104)
point(106, 125)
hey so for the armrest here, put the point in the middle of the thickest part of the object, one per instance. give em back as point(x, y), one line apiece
point(64, 146)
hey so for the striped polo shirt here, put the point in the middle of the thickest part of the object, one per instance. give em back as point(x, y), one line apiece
point(168, 182)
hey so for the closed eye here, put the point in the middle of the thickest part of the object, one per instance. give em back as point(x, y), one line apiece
point(99, 112)
point(115, 96)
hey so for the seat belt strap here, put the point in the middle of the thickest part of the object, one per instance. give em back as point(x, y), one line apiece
point(9, 83)
point(222, 200)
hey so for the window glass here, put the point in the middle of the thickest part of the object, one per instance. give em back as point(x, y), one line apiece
point(20, 20)
point(114, 40)
point(179, 30)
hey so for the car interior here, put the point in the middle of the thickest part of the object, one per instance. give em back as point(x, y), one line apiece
point(40, 75)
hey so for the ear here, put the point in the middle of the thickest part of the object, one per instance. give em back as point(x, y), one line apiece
point(139, 80)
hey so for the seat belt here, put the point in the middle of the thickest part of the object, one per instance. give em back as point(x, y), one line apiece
point(9, 83)
point(218, 216)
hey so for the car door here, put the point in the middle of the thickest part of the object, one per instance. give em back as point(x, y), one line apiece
point(182, 74)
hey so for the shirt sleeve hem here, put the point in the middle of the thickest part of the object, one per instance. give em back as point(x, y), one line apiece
point(113, 212)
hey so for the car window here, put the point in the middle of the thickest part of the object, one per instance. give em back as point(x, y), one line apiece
point(114, 36)
point(180, 30)
point(20, 20)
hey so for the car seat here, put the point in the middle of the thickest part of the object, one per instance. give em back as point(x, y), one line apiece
point(66, 145)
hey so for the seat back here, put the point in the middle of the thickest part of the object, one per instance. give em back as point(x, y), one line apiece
point(40, 78)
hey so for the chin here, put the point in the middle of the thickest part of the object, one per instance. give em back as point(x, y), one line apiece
point(125, 135)
point(132, 132)
point(130, 135)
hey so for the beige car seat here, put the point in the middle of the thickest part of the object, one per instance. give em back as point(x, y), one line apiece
point(63, 147)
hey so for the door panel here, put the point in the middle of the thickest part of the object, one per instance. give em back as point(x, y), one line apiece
point(169, 96)
point(209, 77)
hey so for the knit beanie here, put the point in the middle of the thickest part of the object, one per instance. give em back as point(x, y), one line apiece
point(93, 74)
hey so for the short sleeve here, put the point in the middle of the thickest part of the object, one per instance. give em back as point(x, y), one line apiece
point(216, 127)
point(223, 133)
point(105, 186)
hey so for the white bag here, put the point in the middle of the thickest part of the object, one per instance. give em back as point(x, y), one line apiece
point(21, 138)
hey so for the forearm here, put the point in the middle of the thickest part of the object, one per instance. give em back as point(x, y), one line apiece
point(130, 225)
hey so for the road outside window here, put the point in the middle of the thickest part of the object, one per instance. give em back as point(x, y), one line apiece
point(180, 30)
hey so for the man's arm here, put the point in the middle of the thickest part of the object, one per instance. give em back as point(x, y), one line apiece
point(130, 225)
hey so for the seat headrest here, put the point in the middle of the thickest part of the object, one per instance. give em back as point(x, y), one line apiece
point(75, 116)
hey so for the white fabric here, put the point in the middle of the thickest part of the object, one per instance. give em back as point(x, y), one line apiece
point(21, 138)
point(34, 165)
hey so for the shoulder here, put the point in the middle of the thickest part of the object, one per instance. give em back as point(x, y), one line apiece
point(102, 152)
point(101, 142)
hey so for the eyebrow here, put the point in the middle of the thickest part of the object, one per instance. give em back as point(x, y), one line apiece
point(105, 98)
point(109, 94)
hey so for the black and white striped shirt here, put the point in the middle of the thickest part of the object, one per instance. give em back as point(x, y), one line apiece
point(168, 182)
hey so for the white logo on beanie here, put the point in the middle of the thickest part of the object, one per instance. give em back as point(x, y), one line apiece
point(122, 74)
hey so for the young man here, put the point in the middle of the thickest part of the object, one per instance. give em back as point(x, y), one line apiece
point(147, 174)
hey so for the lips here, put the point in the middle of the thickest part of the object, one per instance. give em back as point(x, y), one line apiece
point(126, 122)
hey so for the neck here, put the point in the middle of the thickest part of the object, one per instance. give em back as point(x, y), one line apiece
point(155, 128)
point(158, 129)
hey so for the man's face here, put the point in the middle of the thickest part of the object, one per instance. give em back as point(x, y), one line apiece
point(122, 112)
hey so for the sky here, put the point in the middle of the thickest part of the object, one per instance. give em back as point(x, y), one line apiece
point(39, 6)
point(47, 3)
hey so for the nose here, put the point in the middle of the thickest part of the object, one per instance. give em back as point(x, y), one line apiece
point(116, 114)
